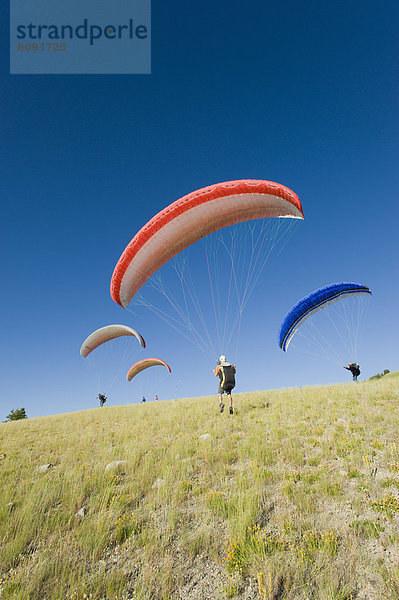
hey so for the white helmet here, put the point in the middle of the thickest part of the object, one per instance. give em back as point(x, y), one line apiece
point(222, 358)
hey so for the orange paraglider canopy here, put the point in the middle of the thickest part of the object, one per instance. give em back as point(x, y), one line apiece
point(145, 364)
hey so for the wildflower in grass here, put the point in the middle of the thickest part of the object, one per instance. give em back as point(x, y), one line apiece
point(332, 488)
point(263, 542)
point(355, 442)
point(217, 502)
point(187, 485)
point(312, 476)
point(388, 505)
point(197, 489)
point(236, 558)
point(125, 527)
point(232, 588)
point(377, 444)
point(112, 500)
point(353, 472)
point(325, 541)
point(354, 427)
point(301, 555)
point(294, 476)
point(312, 542)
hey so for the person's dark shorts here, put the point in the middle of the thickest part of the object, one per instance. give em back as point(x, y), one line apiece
point(226, 390)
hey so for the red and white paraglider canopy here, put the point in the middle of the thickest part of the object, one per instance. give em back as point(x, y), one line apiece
point(193, 217)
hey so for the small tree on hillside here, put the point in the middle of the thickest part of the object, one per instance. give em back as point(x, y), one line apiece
point(379, 375)
point(16, 415)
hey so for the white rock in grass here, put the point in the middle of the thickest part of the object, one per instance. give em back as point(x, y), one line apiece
point(114, 464)
point(81, 512)
point(158, 483)
point(205, 436)
point(44, 468)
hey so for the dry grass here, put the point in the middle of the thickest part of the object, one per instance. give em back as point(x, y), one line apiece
point(296, 496)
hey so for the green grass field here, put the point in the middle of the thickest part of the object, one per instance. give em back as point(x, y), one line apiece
point(296, 496)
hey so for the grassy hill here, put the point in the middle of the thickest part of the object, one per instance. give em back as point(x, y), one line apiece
point(295, 496)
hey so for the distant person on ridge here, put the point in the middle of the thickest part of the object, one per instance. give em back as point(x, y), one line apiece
point(102, 399)
point(227, 381)
point(143, 399)
point(354, 369)
point(156, 398)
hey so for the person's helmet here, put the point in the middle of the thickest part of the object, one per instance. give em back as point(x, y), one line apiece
point(222, 358)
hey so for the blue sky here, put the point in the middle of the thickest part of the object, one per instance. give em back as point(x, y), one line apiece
point(304, 94)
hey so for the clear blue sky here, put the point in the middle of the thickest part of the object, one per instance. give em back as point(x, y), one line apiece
point(305, 94)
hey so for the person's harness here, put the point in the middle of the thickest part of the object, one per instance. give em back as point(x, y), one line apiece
point(227, 378)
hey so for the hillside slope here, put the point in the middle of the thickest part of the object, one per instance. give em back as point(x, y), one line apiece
point(294, 496)
point(392, 375)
